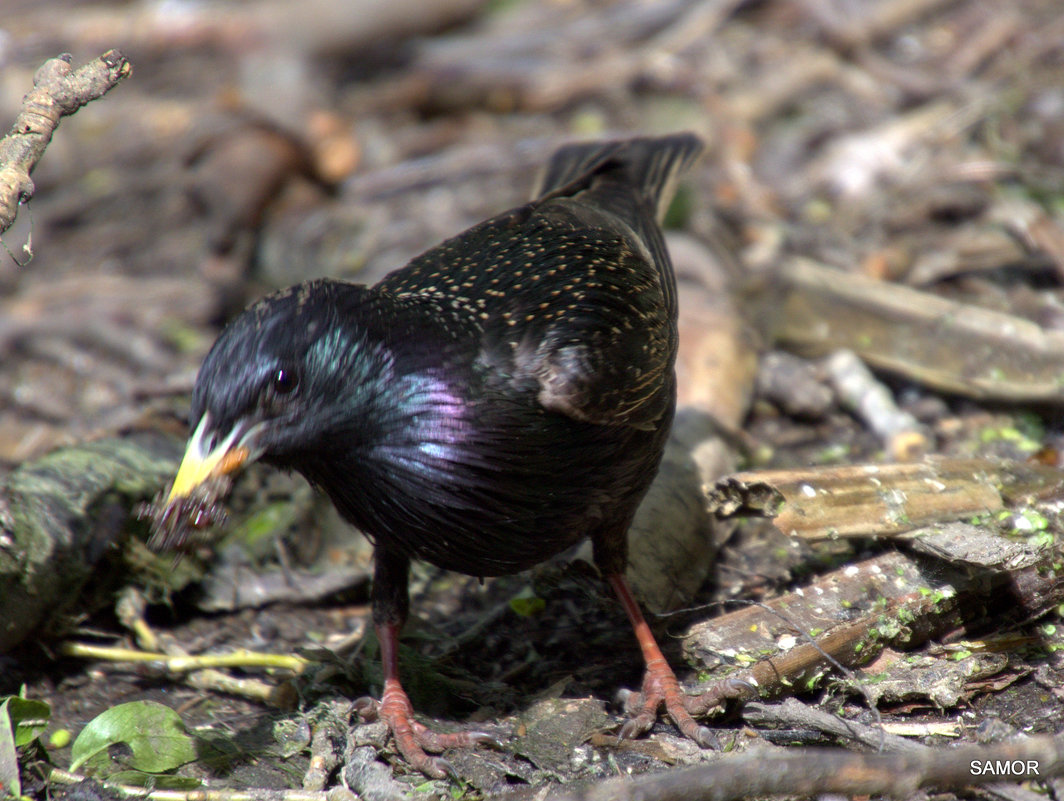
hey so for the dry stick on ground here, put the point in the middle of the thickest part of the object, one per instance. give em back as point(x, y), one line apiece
point(57, 776)
point(943, 344)
point(792, 713)
point(855, 612)
point(57, 91)
point(199, 671)
point(859, 390)
point(815, 771)
point(893, 598)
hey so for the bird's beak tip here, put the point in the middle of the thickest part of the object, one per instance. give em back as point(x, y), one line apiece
point(198, 467)
point(196, 470)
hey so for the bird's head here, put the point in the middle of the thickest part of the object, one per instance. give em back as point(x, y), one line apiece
point(281, 379)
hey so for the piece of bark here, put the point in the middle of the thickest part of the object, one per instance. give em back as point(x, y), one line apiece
point(975, 546)
point(321, 27)
point(965, 250)
point(878, 499)
point(767, 644)
point(59, 517)
point(239, 166)
point(948, 346)
point(892, 599)
point(943, 678)
point(1040, 232)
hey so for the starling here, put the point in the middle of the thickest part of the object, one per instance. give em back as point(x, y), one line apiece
point(503, 396)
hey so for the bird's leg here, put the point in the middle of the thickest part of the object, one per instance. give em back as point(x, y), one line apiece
point(391, 603)
point(660, 685)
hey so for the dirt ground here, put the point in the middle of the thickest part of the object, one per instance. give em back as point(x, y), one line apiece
point(913, 147)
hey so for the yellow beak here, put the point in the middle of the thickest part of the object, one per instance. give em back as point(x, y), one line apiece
point(197, 467)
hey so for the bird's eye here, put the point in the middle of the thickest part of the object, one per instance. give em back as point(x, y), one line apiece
point(285, 382)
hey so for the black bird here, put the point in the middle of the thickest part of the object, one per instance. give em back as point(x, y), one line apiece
point(503, 396)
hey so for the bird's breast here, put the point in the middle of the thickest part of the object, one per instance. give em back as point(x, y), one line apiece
point(490, 486)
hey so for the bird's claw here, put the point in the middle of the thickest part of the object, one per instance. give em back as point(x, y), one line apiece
point(414, 740)
point(660, 687)
point(438, 768)
point(716, 694)
point(484, 738)
point(636, 726)
point(705, 738)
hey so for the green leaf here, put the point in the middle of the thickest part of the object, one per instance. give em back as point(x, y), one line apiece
point(154, 733)
point(262, 526)
point(21, 722)
point(10, 783)
point(527, 604)
point(28, 718)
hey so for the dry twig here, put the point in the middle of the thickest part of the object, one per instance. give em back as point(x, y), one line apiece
point(793, 713)
point(57, 92)
point(903, 437)
point(854, 612)
point(811, 772)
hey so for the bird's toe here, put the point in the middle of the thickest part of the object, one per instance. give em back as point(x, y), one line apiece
point(706, 738)
point(714, 696)
point(486, 738)
point(439, 768)
point(637, 726)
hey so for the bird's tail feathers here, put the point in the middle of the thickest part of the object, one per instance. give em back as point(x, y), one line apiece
point(651, 164)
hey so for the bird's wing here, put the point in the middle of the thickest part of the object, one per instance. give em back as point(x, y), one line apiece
point(583, 325)
point(574, 293)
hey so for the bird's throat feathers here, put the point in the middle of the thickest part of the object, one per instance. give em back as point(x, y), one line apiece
point(392, 411)
point(409, 430)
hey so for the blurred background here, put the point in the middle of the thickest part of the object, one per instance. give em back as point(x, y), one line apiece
point(261, 142)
